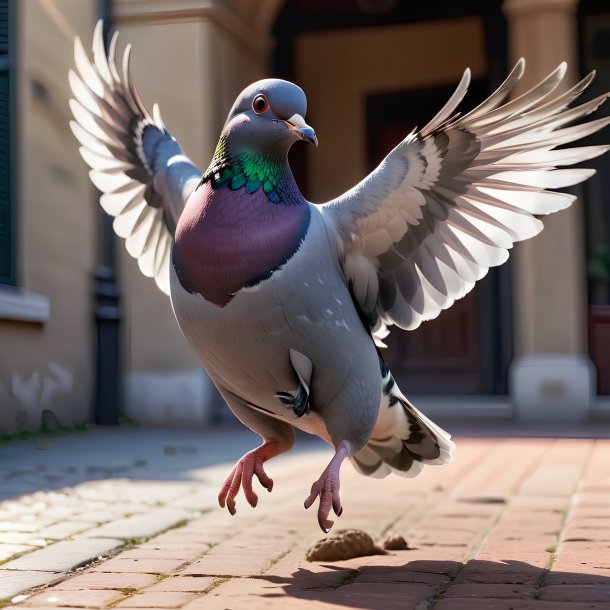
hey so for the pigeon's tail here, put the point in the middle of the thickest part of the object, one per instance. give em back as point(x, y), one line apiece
point(403, 440)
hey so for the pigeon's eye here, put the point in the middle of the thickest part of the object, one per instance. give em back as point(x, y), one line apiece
point(260, 104)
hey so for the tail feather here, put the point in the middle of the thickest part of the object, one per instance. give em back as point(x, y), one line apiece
point(368, 463)
point(403, 440)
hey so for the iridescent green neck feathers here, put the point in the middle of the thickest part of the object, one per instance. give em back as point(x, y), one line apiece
point(252, 171)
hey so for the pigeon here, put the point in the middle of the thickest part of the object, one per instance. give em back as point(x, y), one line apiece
point(286, 303)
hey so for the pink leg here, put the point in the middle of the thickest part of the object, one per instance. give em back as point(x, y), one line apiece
point(242, 473)
point(327, 487)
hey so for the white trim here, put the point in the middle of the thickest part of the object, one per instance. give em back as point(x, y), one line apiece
point(23, 306)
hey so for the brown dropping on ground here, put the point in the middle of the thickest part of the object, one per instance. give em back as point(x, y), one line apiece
point(343, 544)
point(394, 542)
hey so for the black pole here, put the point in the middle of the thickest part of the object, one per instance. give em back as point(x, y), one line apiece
point(106, 294)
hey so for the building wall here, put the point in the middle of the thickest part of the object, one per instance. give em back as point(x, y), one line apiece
point(163, 380)
point(192, 58)
point(48, 365)
point(552, 377)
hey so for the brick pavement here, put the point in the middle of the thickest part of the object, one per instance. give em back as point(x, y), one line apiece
point(512, 523)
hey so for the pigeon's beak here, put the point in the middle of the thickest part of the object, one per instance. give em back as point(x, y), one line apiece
point(302, 130)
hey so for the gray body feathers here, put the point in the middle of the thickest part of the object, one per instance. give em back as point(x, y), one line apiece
point(307, 307)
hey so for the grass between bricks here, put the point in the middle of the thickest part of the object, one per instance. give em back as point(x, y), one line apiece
point(439, 593)
point(442, 589)
point(390, 525)
point(275, 560)
point(49, 424)
point(131, 591)
point(541, 580)
point(118, 601)
point(17, 555)
point(350, 577)
point(216, 583)
point(554, 550)
point(129, 543)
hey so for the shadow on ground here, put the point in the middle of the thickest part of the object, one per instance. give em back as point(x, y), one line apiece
point(444, 584)
point(48, 462)
point(54, 461)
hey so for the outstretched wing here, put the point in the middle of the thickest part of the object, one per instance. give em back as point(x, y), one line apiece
point(449, 201)
point(141, 170)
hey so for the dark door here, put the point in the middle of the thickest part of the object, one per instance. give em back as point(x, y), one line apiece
point(595, 54)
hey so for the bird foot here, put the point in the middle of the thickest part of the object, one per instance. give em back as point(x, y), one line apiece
point(327, 487)
point(241, 476)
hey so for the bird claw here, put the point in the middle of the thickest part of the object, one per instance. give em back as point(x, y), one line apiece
point(241, 476)
point(327, 488)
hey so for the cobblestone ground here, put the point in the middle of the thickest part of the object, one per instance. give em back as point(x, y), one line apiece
point(512, 523)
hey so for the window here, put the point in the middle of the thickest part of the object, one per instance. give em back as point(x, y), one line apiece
point(7, 258)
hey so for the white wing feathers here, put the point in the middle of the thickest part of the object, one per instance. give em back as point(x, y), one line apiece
point(141, 170)
point(449, 201)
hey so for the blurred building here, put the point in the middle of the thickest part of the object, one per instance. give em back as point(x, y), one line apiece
point(531, 339)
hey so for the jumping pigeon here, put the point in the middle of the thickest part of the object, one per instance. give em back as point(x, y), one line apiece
point(285, 302)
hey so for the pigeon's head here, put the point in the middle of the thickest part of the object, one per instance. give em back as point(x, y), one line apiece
point(268, 116)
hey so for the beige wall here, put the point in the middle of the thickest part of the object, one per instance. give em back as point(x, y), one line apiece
point(50, 365)
point(157, 49)
point(185, 59)
point(551, 377)
point(549, 278)
point(192, 58)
